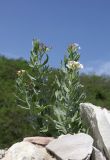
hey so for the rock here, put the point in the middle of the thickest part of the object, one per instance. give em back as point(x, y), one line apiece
point(26, 151)
point(2, 153)
point(39, 140)
point(72, 147)
point(98, 120)
point(97, 155)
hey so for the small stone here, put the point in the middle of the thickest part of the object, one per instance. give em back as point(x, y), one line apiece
point(2, 153)
point(39, 140)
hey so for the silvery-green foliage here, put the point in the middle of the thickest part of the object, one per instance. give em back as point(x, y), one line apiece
point(31, 84)
point(60, 116)
point(69, 94)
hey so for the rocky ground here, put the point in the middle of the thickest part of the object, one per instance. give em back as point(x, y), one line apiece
point(81, 146)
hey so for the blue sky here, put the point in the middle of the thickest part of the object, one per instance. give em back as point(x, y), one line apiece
point(58, 23)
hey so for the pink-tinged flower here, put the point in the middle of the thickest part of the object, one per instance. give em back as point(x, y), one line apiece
point(74, 47)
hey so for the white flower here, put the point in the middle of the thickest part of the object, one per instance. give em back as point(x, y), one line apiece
point(77, 45)
point(81, 66)
point(74, 65)
point(21, 72)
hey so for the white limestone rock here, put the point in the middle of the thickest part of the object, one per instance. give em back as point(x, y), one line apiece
point(72, 147)
point(97, 155)
point(26, 151)
point(98, 121)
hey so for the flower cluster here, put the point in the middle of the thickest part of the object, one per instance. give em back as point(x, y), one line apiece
point(73, 47)
point(21, 72)
point(41, 47)
point(74, 65)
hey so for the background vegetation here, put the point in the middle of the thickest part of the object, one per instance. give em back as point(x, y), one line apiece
point(14, 122)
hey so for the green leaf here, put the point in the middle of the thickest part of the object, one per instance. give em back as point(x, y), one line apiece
point(31, 77)
point(56, 93)
point(76, 57)
point(65, 87)
point(46, 60)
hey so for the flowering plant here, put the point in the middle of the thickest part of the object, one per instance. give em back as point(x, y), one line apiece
point(69, 94)
point(62, 114)
point(31, 84)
